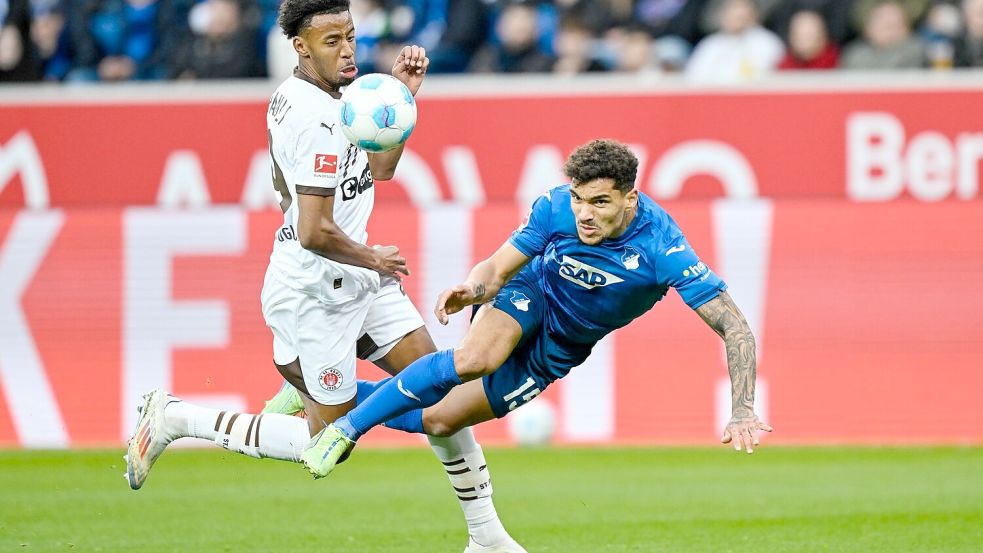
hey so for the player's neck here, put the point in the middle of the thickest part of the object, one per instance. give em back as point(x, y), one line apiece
point(309, 75)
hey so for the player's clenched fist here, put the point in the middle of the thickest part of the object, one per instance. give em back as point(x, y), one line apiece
point(390, 263)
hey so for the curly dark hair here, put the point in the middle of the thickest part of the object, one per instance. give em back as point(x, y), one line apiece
point(297, 14)
point(603, 159)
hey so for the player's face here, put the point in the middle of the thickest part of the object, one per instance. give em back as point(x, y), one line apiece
point(329, 42)
point(601, 210)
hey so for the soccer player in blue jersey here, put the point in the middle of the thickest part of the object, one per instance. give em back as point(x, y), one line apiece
point(593, 255)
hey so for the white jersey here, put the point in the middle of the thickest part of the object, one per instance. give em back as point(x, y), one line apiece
point(310, 155)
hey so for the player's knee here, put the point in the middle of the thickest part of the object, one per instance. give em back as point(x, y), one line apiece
point(472, 364)
point(436, 425)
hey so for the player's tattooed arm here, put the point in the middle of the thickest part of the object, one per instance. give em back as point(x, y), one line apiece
point(726, 319)
point(484, 281)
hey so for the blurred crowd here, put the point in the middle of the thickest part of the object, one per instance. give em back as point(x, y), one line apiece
point(704, 40)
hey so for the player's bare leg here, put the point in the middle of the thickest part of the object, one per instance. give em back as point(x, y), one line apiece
point(489, 342)
point(462, 458)
point(165, 418)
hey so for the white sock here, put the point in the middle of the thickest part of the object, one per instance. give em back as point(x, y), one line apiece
point(268, 435)
point(465, 465)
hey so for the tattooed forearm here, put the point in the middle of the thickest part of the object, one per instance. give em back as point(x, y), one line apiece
point(726, 320)
point(479, 292)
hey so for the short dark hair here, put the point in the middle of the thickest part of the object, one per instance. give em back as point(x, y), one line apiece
point(603, 159)
point(297, 14)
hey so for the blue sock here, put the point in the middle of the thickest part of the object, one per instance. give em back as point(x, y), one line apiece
point(422, 384)
point(365, 388)
point(411, 422)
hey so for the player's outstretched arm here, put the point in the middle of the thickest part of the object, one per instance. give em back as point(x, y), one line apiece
point(724, 317)
point(410, 68)
point(318, 233)
point(485, 280)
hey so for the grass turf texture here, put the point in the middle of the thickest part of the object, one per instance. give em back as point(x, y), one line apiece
point(563, 500)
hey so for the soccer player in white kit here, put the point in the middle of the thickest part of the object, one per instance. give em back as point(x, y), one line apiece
point(326, 295)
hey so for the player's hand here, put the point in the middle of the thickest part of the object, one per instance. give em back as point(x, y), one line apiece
point(742, 432)
point(390, 263)
point(453, 300)
point(411, 66)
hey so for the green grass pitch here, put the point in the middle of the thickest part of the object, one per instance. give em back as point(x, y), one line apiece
point(553, 500)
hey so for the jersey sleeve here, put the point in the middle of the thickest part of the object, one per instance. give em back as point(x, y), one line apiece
point(316, 161)
point(532, 236)
point(679, 266)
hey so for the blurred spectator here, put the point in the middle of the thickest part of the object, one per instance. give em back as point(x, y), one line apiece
point(942, 27)
point(281, 58)
point(371, 26)
point(515, 49)
point(635, 50)
point(913, 9)
point(18, 60)
point(672, 53)
point(598, 15)
point(118, 40)
point(809, 46)
point(887, 42)
point(969, 47)
point(223, 45)
point(386, 54)
point(576, 48)
point(672, 18)
point(837, 14)
point(467, 29)
point(742, 49)
point(713, 10)
point(50, 40)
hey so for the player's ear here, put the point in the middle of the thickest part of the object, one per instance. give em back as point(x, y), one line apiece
point(301, 47)
point(631, 199)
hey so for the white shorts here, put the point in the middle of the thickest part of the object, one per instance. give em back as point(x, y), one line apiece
point(322, 336)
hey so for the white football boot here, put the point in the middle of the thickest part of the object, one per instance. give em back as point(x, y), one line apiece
point(511, 546)
point(149, 439)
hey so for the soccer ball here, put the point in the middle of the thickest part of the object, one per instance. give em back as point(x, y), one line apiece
point(533, 424)
point(378, 112)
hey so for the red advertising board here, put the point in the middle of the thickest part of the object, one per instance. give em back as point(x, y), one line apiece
point(867, 316)
point(864, 145)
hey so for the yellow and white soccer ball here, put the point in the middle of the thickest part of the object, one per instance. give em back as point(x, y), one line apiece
point(378, 112)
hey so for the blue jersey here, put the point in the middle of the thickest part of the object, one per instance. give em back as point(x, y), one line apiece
point(594, 289)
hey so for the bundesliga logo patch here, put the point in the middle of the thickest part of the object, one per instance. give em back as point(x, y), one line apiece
point(325, 164)
point(330, 379)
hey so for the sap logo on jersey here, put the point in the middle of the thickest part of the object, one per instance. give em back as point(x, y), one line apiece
point(584, 275)
point(697, 269)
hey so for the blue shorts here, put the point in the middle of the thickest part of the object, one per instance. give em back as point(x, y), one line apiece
point(540, 358)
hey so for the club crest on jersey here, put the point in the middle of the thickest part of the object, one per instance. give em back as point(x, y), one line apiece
point(330, 379)
point(325, 165)
point(584, 275)
point(630, 258)
point(520, 301)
